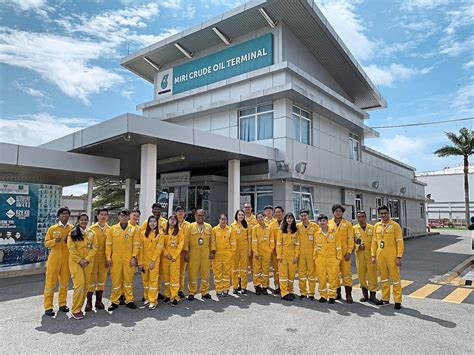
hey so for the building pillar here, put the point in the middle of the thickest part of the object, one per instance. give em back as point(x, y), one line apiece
point(233, 187)
point(149, 161)
point(90, 186)
point(130, 193)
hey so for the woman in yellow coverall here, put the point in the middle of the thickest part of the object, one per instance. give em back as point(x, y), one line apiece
point(173, 243)
point(223, 246)
point(327, 255)
point(151, 246)
point(242, 253)
point(262, 248)
point(82, 245)
point(288, 251)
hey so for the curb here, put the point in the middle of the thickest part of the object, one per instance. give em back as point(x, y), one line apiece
point(455, 272)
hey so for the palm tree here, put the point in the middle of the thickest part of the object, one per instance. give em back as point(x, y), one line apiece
point(463, 145)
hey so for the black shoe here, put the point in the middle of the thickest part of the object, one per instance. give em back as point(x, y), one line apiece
point(207, 296)
point(383, 303)
point(235, 291)
point(112, 307)
point(191, 298)
point(311, 298)
point(64, 309)
point(244, 291)
point(122, 300)
point(181, 294)
point(264, 291)
point(219, 294)
point(49, 313)
point(166, 300)
point(174, 303)
point(338, 294)
point(287, 297)
point(332, 301)
point(258, 291)
point(143, 299)
point(131, 305)
point(302, 297)
point(277, 291)
point(225, 294)
point(398, 306)
point(160, 296)
point(322, 300)
point(292, 296)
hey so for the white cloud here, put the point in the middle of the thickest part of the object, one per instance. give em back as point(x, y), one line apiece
point(36, 129)
point(463, 99)
point(341, 15)
point(401, 147)
point(29, 91)
point(452, 47)
point(75, 190)
point(127, 94)
point(469, 65)
point(387, 76)
point(38, 7)
point(412, 5)
point(460, 18)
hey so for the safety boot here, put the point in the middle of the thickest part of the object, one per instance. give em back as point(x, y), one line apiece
point(349, 294)
point(89, 302)
point(373, 299)
point(98, 300)
point(258, 291)
point(264, 291)
point(338, 294)
point(365, 293)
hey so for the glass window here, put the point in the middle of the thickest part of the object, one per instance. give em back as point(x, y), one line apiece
point(259, 195)
point(302, 198)
point(256, 123)
point(422, 210)
point(354, 146)
point(301, 125)
point(358, 202)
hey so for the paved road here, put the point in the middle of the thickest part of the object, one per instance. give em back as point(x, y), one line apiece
point(256, 323)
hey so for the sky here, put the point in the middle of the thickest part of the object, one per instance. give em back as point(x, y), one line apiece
point(60, 64)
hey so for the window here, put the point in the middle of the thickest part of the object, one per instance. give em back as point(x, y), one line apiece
point(422, 210)
point(394, 208)
point(378, 203)
point(256, 123)
point(301, 125)
point(354, 146)
point(302, 198)
point(357, 205)
point(258, 195)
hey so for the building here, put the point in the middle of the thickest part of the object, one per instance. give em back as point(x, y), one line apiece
point(448, 203)
point(262, 104)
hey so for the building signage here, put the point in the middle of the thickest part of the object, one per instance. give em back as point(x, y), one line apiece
point(175, 179)
point(239, 59)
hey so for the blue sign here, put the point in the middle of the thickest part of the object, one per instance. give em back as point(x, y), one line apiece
point(239, 59)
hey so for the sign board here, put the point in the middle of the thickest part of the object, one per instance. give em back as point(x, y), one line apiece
point(165, 82)
point(175, 179)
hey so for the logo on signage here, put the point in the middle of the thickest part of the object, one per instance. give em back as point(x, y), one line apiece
point(164, 81)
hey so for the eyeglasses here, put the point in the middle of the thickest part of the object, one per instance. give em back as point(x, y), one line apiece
point(383, 213)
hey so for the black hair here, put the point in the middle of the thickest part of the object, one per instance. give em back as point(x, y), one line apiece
point(284, 224)
point(124, 212)
point(338, 207)
point(156, 205)
point(148, 229)
point(260, 213)
point(244, 222)
point(223, 214)
point(179, 208)
point(136, 210)
point(381, 208)
point(279, 208)
point(62, 210)
point(304, 210)
point(361, 212)
point(323, 216)
point(103, 209)
point(76, 233)
point(268, 207)
point(176, 227)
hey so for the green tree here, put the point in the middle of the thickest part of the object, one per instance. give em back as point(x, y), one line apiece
point(108, 193)
point(463, 145)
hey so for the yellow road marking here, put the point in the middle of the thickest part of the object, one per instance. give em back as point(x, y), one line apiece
point(458, 295)
point(424, 291)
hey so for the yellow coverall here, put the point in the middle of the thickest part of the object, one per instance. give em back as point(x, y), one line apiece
point(240, 262)
point(327, 255)
point(274, 229)
point(346, 233)
point(99, 269)
point(172, 245)
point(287, 248)
point(78, 250)
point(262, 248)
point(224, 244)
point(199, 247)
point(387, 246)
point(57, 268)
point(184, 226)
point(150, 250)
point(162, 223)
point(366, 270)
point(120, 247)
point(306, 265)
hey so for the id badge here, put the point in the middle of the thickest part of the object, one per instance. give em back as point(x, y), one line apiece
point(238, 230)
point(265, 237)
point(126, 236)
point(382, 244)
point(200, 241)
point(310, 237)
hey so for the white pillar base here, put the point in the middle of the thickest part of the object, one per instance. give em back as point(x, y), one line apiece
point(233, 187)
point(148, 167)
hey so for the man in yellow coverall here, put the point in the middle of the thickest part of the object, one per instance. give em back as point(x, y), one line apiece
point(184, 226)
point(306, 265)
point(274, 228)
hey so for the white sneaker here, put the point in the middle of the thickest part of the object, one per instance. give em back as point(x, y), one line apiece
point(152, 306)
point(146, 302)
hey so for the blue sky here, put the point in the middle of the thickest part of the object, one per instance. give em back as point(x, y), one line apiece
point(60, 71)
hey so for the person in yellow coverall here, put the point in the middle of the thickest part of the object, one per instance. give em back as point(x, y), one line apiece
point(345, 230)
point(199, 256)
point(57, 268)
point(288, 251)
point(268, 211)
point(223, 245)
point(366, 270)
point(387, 252)
point(184, 226)
point(327, 256)
point(274, 228)
point(262, 249)
point(151, 246)
point(99, 268)
point(82, 245)
point(306, 265)
point(241, 232)
point(251, 222)
point(121, 250)
point(173, 245)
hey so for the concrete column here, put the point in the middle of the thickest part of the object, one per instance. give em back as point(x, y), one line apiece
point(233, 187)
point(130, 193)
point(90, 185)
point(148, 176)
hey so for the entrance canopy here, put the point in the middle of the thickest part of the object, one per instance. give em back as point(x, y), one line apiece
point(179, 148)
